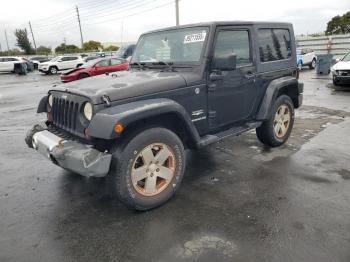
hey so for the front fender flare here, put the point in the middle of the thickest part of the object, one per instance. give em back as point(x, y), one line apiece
point(42, 107)
point(271, 94)
point(102, 124)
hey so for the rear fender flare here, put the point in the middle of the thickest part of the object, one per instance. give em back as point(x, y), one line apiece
point(271, 94)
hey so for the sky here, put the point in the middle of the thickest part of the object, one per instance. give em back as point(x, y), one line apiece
point(120, 21)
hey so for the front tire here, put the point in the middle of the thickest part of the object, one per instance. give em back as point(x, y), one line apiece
point(53, 70)
point(335, 83)
point(276, 130)
point(300, 66)
point(148, 170)
point(83, 75)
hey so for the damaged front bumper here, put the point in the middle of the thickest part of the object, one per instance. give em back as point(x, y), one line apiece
point(71, 155)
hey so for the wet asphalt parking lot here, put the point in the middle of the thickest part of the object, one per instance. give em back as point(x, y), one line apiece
point(239, 200)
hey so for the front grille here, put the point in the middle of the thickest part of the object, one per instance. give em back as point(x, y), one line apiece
point(65, 113)
point(344, 72)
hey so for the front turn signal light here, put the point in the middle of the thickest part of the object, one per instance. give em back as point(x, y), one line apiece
point(118, 128)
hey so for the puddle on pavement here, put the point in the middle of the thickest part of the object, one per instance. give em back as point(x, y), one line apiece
point(309, 121)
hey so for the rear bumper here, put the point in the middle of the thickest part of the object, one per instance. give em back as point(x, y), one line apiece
point(70, 155)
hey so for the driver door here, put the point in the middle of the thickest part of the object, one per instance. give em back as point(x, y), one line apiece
point(101, 67)
point(232, 93)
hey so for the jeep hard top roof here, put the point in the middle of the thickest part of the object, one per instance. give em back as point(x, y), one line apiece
point(226, 23)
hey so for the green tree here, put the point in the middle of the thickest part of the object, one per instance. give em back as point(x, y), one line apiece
point(339, 24)
point(43, 50)
point(23, 41)
point(111, 48)
point(92, 45)
point(14, 52)
point(63, 48)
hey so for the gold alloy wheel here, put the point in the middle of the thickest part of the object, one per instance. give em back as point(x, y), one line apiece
point(282, 121)
point(153, 169)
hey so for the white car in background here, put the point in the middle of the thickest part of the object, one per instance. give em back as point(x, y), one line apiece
point(306, 57)
point(7, 63)
point(341, 71)
point(61, 63)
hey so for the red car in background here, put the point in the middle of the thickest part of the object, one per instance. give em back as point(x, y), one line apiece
point(95, 67)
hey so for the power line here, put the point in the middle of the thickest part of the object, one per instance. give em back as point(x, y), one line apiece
point(137, 13)
point(110, 6)
point(52, 17)
point(64, 20)
point(117, 10)
point(133, 4)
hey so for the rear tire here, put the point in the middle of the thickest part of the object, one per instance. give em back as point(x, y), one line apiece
point(313, 64)
point(147, 170)
point(276, 130)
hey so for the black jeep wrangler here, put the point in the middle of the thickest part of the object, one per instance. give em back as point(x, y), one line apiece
point(186, 87)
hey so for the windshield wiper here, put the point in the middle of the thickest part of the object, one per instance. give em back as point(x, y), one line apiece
point(169, 65)
point(141, 66)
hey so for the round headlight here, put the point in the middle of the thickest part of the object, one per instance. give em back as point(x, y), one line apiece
point(88, 111)
point(50, 100)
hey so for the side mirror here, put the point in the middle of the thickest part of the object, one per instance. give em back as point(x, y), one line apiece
point(337, 60)
point(59, 61)
point(224, 63)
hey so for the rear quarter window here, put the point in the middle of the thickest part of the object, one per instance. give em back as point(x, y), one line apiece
point(274, 44)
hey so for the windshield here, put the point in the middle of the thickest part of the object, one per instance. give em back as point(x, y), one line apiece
point(346, 58)
point(173, 46)
point(121, 51)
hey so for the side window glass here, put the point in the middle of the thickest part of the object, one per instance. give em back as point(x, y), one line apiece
point(115, 62)
point(274, 44)
point(103, 63)
point(236, 42)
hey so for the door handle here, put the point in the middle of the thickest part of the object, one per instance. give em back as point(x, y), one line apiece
point(249, 75)
point(215, 76)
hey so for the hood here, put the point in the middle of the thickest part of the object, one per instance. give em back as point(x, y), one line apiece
point(69, 71)
point(123, 85)
point(342, 65)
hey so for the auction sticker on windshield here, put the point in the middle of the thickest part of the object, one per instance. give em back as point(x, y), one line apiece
point(199, 37)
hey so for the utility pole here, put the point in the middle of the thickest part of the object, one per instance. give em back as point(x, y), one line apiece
point(121, 34)
point(177, 12)
point(81, 34)
point(7, 41)
point(31, 30)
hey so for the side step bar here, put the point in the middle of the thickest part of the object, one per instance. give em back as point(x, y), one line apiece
point(233, 131)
